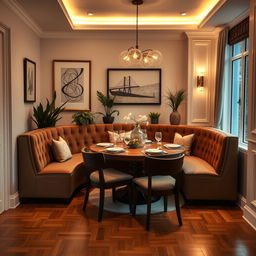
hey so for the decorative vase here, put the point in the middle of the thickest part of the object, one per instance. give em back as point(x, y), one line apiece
point(175, 118)
point(108, 119)
point(154, 120)
point(138, 136)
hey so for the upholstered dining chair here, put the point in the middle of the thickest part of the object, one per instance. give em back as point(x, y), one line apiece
point(163, 178)
point(103, 178)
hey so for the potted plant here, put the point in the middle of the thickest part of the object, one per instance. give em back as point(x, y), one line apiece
point(49, 116)
point(154, 117)
point(107, 101)
point(175, 100)
point(83, 118)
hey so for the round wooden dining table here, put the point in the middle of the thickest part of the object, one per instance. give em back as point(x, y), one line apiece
point(131, 161)
point(136, 154)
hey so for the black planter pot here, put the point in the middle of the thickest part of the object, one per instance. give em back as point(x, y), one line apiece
point(154, 120)
point(108, 119)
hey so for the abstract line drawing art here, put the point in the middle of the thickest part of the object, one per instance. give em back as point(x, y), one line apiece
point(29, 80)
point(135, 86)
point(72, 83)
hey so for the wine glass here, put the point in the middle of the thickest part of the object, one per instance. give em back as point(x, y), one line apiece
point(158, 137)
point(145, 136)
point(115, 137)
point(121, 134)
point(127, 138)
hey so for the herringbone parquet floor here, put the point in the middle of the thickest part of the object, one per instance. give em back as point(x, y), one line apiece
point(65, 230)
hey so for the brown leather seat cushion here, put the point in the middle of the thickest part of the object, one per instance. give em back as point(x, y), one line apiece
point(65, 167)
point(158, 182)
point(196, 165)
point(110, 176)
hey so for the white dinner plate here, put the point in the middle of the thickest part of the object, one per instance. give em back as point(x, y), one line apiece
point(105, 144)
point(154, 151)
point(148, 141)
point(114, 150)
point(173, 146)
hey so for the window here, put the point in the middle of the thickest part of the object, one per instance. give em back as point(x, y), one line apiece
point(239, 90)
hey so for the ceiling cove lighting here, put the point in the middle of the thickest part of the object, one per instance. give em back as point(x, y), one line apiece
point(136, 57)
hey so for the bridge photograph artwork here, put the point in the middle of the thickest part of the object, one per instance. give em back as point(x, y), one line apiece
point(135, 86)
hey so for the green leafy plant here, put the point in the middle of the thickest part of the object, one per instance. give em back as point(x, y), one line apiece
point(83, 118)
point(49, 116)
point(175, 99)
point(107, 101)
point(154, 115)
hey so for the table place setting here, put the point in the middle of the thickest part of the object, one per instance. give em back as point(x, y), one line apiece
point(172, 146)
point(154, 151)
point(105, 145)
point(114, 150)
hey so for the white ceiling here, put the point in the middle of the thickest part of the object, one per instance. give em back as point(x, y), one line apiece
point(59, 15)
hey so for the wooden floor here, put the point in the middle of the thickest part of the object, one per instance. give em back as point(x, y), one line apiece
point(64, 230)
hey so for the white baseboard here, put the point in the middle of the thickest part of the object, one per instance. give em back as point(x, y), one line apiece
point(1, 206)
point(250, 216)
point(14, 200)
point(241, 201)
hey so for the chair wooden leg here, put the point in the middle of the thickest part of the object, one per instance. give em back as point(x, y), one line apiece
point(86, 197)
point(114, 194)
point(177, 205)
point(148, 212)
point(130, 197)
point(134, 199)
point(101, 208)
point(165, 203)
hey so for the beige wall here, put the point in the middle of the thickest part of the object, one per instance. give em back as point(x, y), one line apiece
point(104, 54)
point(24, 43)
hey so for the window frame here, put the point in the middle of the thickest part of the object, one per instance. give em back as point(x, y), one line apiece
point(242, 56)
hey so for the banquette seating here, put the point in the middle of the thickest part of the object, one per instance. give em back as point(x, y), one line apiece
point(210, 172)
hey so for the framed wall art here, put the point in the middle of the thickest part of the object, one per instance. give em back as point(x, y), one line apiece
point(135, 86)
point(29, 80)
point(72, 83)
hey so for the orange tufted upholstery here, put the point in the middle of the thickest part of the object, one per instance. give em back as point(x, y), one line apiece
point(208, 144)
point(77, 137)
point(34, 152)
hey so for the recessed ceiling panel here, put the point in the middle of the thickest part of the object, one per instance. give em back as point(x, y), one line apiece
point(120, 14)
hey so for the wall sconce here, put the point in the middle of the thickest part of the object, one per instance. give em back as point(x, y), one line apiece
point(200, 81)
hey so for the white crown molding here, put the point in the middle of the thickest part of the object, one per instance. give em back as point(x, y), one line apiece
point(212, 12)
point(66, 13)
point(114, 35)
point(131, 27)
point(239, 19)
point(204, 34)
point(20, 12)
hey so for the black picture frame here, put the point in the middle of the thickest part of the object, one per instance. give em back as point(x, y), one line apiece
point(146, 89)
point(75, 74)
point(29, 80)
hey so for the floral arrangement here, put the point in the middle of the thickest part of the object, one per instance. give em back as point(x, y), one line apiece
point(133, 143)
point(140, 119)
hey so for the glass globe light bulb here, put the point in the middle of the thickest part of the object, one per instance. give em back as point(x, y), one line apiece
point(135, 55)
point(124, 58)
point(156, 57)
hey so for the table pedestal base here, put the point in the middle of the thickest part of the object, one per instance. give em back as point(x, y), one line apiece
point(122, 196)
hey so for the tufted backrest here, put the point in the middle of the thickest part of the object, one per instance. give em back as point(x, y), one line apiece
point(208, 144)
point(77, 137)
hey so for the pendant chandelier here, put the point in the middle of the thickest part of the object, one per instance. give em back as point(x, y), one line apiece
point(136, 57)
